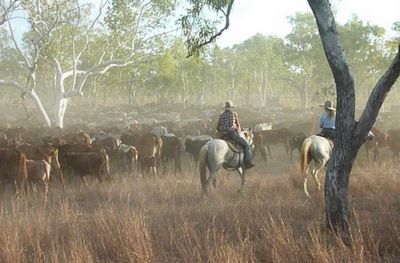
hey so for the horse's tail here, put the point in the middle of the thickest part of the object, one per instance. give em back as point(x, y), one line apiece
point(305, 148)
point(203, 165)
point(304, 156)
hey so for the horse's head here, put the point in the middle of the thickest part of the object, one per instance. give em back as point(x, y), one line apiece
point(247, 134)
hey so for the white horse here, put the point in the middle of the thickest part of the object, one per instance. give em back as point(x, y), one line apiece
point(315, 148)
point(216, 154)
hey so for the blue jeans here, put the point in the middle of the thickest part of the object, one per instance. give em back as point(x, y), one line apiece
point(234, 136)
point(328, 133)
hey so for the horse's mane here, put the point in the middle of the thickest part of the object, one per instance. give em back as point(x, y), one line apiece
point(246, 134)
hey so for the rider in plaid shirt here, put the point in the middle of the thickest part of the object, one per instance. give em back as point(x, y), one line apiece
point(228, 121)
point(229, 127)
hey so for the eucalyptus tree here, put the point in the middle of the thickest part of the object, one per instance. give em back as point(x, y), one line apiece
point(130, 30)
point(183, 72)
point(364, 45)
point(41, 25)
point(162, 78)
point(194, 75)
point(350, 133)
point(262, 58)
point(307, 70)
point(66, 34)
point(225, 68)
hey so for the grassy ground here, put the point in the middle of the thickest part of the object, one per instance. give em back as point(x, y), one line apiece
point(165, 219)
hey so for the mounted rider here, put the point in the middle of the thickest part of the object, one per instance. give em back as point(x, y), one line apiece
point(327, 121)
point(229, 126)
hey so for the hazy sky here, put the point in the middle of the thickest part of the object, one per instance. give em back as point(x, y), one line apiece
point(270, 17)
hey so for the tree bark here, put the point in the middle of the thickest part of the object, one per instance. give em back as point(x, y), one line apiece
point(32, 93)
point(40, 107)
point(60, 110)
point(350, 135)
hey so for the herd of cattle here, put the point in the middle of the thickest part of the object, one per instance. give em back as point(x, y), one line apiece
point(30, 157)
point(38, 155)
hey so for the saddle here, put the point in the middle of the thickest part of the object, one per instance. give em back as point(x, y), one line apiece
point(330, 140)
point(234, 146)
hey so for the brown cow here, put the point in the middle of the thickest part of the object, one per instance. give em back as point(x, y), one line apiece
point(13, 169)
point(4, 142)
point(149, 150)
point(171, 149)
point(39, 171)
point(194, 144)
point(295, 142)
point(110, 144)
point(88, 163)
point(44, 152)
point(127, 157)
point(65, 149)
point(80, 148)
point(149, 165)
point(379, 140)
point(130, 139)
point(393, 143)
point(77, 138)
point(54, 141)
point(264, 139)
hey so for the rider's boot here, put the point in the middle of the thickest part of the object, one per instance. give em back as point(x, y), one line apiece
point(249, 164)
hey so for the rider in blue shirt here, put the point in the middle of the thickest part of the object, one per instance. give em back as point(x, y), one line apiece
point(327, 121)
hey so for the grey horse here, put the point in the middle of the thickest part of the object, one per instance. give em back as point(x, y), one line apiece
point(217, 154)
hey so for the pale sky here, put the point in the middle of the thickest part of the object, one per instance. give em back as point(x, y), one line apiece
point(267, 17)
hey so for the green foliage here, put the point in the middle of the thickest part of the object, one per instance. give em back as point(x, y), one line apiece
point(265, 66)
point(200, 23)
point(131, 23)
point(396, 26)
point(363, 44)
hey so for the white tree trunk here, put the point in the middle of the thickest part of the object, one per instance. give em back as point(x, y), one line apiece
point(61, 108)
point(201, 98)
point(40, 107)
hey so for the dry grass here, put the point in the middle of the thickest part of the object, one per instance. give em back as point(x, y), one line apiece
point(165, 220)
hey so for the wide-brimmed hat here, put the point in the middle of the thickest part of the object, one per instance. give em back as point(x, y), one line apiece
point(229, 104)
point(328, 105)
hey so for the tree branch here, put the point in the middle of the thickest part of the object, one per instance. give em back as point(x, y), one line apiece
point(216, 35)
point(6, 10)
point(13, 85)
point(96, 70)
point(337, 61)
point(378, 95)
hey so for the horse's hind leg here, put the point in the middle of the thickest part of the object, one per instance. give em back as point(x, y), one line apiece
point(215, 183)
point(242, 179)
point(305, 188)
point(315, 175)
point(211, 179)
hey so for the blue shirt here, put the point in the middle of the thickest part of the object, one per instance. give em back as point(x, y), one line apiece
point(327, 122)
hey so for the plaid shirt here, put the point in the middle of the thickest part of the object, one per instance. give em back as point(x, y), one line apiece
point(228, 121)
